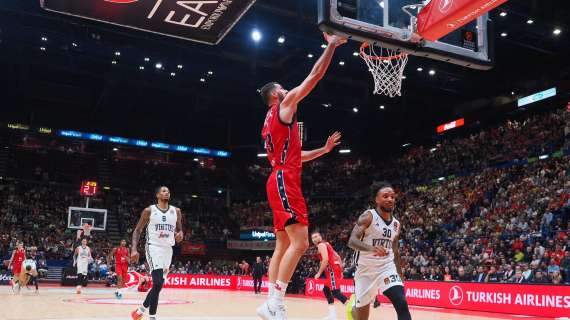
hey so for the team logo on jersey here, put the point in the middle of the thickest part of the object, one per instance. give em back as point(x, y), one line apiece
point(456, 295)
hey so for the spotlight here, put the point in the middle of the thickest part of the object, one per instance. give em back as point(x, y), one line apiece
point(146, 59)
point(180, 66)
point(281, 39)
point(310, 56)
point(117, 53)
point(210, 72)
point(432, 72)
point(324, 46)
point(503, 14)
point(202, 80)
point(420, 69)
point(355, 110)
point(256, 35)
point(158, 65)
point(341, 63)
point(504, 34)
point(557, 31)
point(530, 21)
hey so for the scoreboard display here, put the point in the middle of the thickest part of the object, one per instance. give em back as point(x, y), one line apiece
point(88, 188)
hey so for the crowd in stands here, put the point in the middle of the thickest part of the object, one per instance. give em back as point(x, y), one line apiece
point(498, 213)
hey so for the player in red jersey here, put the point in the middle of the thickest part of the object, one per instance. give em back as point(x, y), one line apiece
point(121, 256)
point(283, 146)
point(18, 257)
point(331, 265)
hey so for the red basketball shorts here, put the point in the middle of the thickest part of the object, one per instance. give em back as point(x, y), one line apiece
point(16, 268)
point(122, 271)
point(333, 275)
point(286, 199)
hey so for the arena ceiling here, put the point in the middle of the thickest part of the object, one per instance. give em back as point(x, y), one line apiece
point(59, 71)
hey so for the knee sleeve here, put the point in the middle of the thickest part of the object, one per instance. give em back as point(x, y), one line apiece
point(157, 279)
point(328, 294)
point(398, 298)
point(340, 297)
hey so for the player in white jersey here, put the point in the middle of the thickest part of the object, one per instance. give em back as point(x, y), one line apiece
point(375, 239)
point(163, 224)
point(81, 259)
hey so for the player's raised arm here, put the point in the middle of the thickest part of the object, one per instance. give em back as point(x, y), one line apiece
point(332, 141)
point(179, 233)
point(289, 104)
point(324, 259)
point(143, 221)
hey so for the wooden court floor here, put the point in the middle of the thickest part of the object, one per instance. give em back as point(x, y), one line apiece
point(99, 304)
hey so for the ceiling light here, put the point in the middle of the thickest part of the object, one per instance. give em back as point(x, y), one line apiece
point(355, 110)
point(503, 34)
point(441, 178)
point(420, 69)
point(74, 44)
point(310, 56)
point(355, 53)
point(327, 105)
point(202, 80)
point(512, 93)
point(146, 59)
point(407, 144)
point(503, 14)
point(382, 107)
point(256, 35)
point(344, 151)
point(281, 39)
point(180, 66)
point(158, 65)
point(341, 63)
point(530, 21)
point(43, 48)
point(324, 46)
point(432, 149)
point(114, 62)
point(261, 155)
point(404, 77)
point(44, 39)
point(141, 67)
point(115, 149)
point(172, 74)
point(117, 53)
point(210, 72)
point(196, 159)
point(432, 72)
point(557, 31)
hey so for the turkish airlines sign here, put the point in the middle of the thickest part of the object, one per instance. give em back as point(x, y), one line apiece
point(193, 281)
point(451, 125)
point(531, 300)
point(206, 21)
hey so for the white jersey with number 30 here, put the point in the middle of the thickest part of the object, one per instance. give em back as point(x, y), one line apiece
point(161, 226)
point(379, 233)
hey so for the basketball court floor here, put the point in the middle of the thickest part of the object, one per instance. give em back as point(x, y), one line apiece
point(99, 304)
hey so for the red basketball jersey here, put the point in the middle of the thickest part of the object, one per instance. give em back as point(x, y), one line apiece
point(122, 255)
point(333, 256)
point(282, 141)
point(19, 257)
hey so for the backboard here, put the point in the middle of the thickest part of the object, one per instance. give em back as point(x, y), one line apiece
point(385, 23)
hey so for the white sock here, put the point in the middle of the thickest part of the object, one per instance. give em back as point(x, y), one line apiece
point(332, 311)
point(271, 289)
point(278, 293)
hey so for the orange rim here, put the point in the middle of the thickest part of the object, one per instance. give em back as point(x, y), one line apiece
point(363, 54)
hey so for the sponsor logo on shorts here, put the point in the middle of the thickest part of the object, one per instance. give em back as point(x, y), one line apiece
point(386, 281)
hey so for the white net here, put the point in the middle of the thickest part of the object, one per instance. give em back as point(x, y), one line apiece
point(387, 68)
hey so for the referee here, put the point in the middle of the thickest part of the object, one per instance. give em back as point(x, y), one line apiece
point(257, 272)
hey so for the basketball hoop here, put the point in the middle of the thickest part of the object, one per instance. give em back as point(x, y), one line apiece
point(387, 68)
